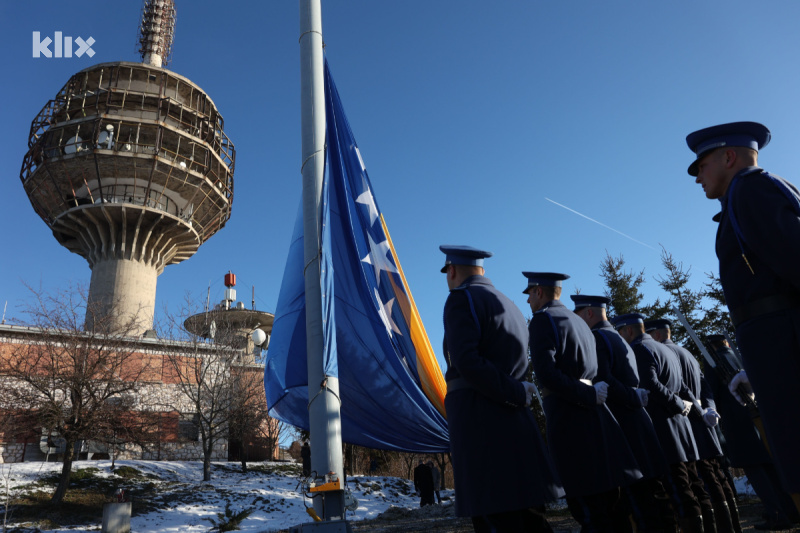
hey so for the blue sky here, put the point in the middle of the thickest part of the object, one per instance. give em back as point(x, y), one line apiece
point(469, 116)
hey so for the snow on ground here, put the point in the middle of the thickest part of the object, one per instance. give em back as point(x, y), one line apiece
point(187, 503)
point(277, 499)
point(744, 487)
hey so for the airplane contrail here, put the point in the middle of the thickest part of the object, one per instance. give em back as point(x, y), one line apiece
point(600, 223)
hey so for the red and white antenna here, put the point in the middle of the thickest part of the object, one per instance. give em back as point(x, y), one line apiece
point(230, 292)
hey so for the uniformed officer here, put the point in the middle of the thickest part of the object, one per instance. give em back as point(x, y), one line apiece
point(758, 246)
point(716, 497)
point(589, 449)
point(660, 373)
point(617, 367)
point(485, 344)
point(744, 446)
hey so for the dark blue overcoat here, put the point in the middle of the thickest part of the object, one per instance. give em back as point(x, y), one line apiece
point(743, 444)
point(587, 445)
point(660, 373)
point(705, 437)
point(769, 341)
point(617, 367)
point(500, 462)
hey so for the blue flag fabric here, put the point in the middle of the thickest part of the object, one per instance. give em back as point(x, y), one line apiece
point(390, 384)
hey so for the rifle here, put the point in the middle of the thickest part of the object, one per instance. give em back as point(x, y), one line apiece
point(735, 350)
point(720, 365)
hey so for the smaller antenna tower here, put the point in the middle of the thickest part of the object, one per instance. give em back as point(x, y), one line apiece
point(156, 32)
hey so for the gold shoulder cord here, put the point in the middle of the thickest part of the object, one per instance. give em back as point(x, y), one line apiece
point(746, 262)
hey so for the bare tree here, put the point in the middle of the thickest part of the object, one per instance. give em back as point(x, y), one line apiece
point(5, 490)
point(218, 380)
point(409, 461)
point(131, 421)
point(202, 372)
point(204, 378)
point(441, 462)
point(74, 381)
point(249, 420)
point(294, 450)
point(273, 431)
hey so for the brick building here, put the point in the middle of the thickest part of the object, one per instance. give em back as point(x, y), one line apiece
point(151, 384)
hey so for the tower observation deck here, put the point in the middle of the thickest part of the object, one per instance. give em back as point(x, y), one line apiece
point(130, 167)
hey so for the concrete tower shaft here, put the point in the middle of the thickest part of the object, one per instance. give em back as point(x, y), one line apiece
point(130, 167)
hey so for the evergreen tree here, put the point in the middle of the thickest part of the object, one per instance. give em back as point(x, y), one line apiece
point(717, 312)
point(688, 301)
point(622, 287)
point(704, 309)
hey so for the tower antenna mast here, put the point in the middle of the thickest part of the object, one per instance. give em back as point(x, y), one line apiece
point(156, 32)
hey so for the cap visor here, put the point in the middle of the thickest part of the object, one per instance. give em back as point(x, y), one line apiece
point(692, 170)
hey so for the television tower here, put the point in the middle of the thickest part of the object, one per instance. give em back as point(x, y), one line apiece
point(130, 167)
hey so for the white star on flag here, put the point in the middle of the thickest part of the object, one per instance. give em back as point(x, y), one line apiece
point(360, 159)
point(377, 258)
point(367, 199)
point(385, 312)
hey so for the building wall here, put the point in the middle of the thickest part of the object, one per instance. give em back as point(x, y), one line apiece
point(158, 392)
point(11, 452)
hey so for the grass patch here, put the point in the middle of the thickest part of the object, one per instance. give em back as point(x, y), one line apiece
point(233, 468)
point(81, 476)
point(84, 506)
point(83, 503)
point(128, 472)
point(230, 519)
point(284, 469)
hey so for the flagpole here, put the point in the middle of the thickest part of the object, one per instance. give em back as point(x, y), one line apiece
point(323, 391)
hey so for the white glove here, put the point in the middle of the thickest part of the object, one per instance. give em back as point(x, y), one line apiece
point(601, 392)
point(741, 379)
point(530, 392)
point(643, 396)
point(687, 408)
point(711, 417)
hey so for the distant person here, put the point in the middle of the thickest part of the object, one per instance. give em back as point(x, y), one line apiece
point(423, 484)
point(660, 373)
point(305, 455)
point(373, 466)
point(716, 496)
point(616, 365)
point(437, 479)
point(758, 247)
point(486, 348)
point(591, 455)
